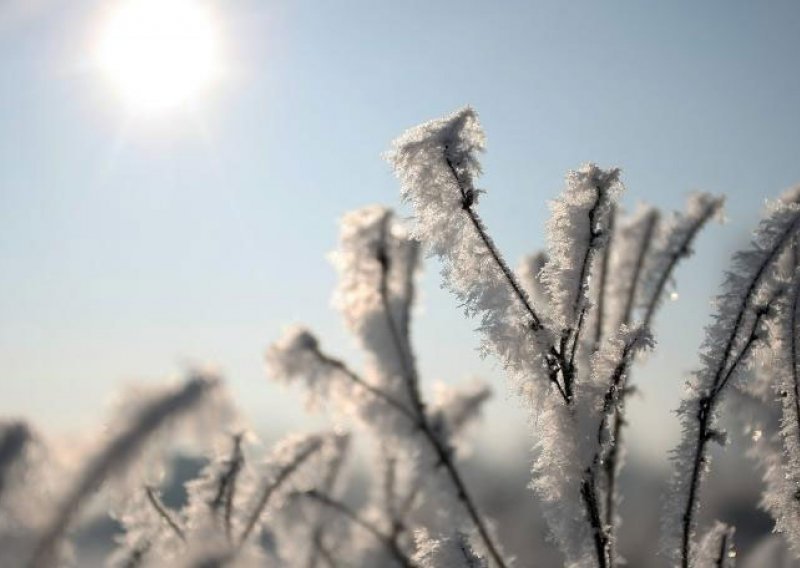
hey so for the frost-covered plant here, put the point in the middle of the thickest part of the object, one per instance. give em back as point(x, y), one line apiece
point(123, 447)
point(377, 263)
point(751, 297)
point(569, 350)
point(568, 326)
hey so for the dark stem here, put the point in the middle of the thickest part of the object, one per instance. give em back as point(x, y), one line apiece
point(681, 251)
point(409, 289)
point(325, 553)
point(617, 413)
point(723, 550)
point(391, 545)
point(352, 376)
point(579, 307)
point(441, 451)
point(389, 481)
point(705, 411)
point(599, 534)
point(468, 196)
point(14, 439)
point(794, 346)
point(570, 336)
point(274, 485)
point(164, 513)
point(610, 464)
point(706, 404)
point(555, 360)
point(465, 498)
point(402, 346)
point(226, 488)
point(137, 555)
point(611, 461)
point(389, 484)
point(412, 381)
point(647, 239)
point(601, 288)
point(607, 440)
point(318, 549)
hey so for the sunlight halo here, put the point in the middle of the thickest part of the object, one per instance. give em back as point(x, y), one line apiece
point(159, 54)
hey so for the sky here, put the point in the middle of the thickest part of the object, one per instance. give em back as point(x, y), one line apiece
point(134, 246)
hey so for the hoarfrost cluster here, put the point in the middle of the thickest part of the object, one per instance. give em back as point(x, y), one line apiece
point(568, 326)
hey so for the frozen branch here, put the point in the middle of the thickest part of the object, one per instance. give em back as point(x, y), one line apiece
point(728, 343)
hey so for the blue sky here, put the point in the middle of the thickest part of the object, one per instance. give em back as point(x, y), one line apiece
point(131, 246)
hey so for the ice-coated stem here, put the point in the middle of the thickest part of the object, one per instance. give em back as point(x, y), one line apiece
point(389, 543)
point(705, 412)
point(162, 511)
point(274, 485)
point(468, 195)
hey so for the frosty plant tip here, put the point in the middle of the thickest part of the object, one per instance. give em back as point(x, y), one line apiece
point(568, 327)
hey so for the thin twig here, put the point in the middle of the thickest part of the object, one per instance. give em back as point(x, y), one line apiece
point(611, 461)
point(647, 239)
point(599, 534)
point(616, 420)
point(555, 359)
point(324, 552)
point(468, 196)
point(722, 556)
point(402, 347)
point(443, 453)
point(355, 518)
point(707, 403)
point(607, 439)
point(273, 486)
point(705, 432)
point(601, 288)
point(352, 376)
point(137, 555)
point(682, 251)
point(226, 487)
point(579, 307)
point(162, 511)
point(318, 549)
point(795, 345)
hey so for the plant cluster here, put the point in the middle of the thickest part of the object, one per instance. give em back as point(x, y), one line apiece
point(568, 326)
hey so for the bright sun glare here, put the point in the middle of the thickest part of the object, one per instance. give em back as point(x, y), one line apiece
point(159, 53)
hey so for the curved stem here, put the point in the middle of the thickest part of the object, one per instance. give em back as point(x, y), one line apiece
point(647, 239)
point(599, 533)
point(226, 487)
point(705, 433)
point(164, 513)
point(556, 360)
point(412, 381)
point(722, 555)
point(399, 338)
point(467, 201)
point(793, 354)
point(601, 289)
point(273, 486)
point(390, 544)
point(607, 440)
point(352, 376)
point(681, 251)
point(318, 550)
point(579, 307)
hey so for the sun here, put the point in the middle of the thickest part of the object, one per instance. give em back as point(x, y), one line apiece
point(159, 54)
